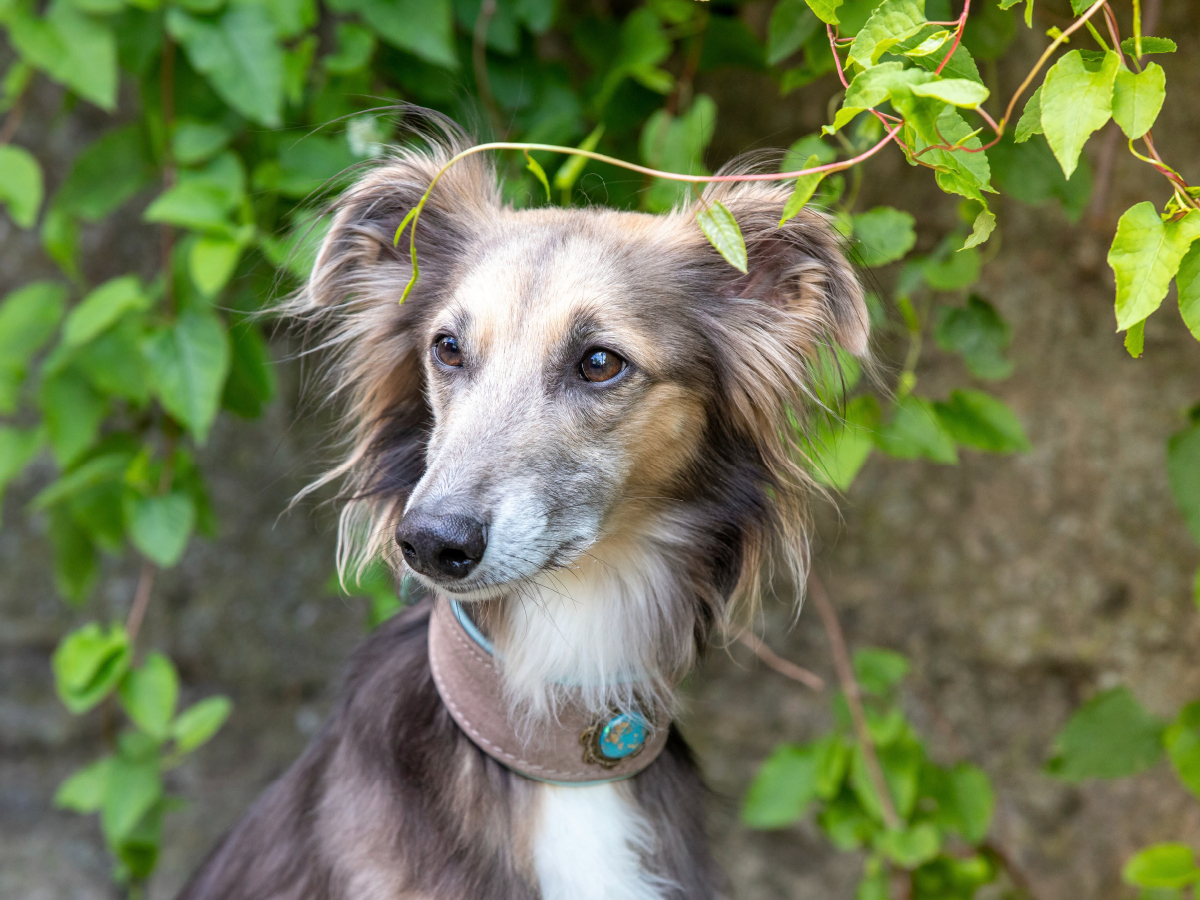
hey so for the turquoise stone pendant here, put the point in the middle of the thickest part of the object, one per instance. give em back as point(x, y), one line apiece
point(609, 742)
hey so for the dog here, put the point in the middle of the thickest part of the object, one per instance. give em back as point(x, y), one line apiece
point(579, 434)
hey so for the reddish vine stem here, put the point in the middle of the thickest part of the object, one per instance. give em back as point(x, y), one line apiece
point(958, 33)
point(845, 671)
point(784, 667)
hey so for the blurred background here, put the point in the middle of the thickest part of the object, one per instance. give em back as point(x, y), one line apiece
point(1018, 586)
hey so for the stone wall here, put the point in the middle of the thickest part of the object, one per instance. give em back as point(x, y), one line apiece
point(1018, 585)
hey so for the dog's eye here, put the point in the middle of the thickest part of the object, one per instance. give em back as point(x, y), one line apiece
point(447, 351)
point(601, 365)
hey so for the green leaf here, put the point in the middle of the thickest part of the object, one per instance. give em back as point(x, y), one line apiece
point(98, 470)
point(1077, 98)
point(72, 47)
point(722, 231)
point(1029, 172)
point(901, 761)
point(978, 420)
point(1150, 45)
point(839, 449)
point(1187, 280)
point(825, 10)
point(1031, 119)
point(1182, 740)
point(134, 786)
point(806, 185)
point(28, 317)
point(88, 663)
point(910, 847)
point(801, 150)
point(422, 27)
point(1110, 736)
point(917, 431)
point(1135, 339)
point(251, 382)
point(75, 566)
point(189, 362)
point(953, 266)
point(73, 411)
point(114, 363)
point(106, 174)
point(18, 446)
point(160, 526)
point(211, 263)
point(957, 91)
point(538, 172)
point(979, 334)
point(967, 802)
point(1183, 470)
point(100, 309)
point(883, 234)
point(149, 694)
point(192, 204)
point(195, 140)
point(239, 56)
point(892, 21)
point(878, 671)
point(1137, 99)
point(1162, 866)
point(928, 45)
point(568, 173)
point(83, 791)
point(1145, 255)
point(20, 184)
point(199, 722)
point(792, 23)
point(782, 789)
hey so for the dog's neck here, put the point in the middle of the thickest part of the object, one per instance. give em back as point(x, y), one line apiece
point(613, 630)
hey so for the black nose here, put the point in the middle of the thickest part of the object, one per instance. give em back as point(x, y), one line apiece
point(448, 545)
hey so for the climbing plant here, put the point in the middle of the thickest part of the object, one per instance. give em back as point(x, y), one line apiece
point(227, 124)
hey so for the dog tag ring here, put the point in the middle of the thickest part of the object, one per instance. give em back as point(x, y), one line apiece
point(621, 737)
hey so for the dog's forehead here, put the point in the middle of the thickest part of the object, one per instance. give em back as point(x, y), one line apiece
point(538, 277)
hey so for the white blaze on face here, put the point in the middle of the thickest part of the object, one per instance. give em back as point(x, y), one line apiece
point(590, 843)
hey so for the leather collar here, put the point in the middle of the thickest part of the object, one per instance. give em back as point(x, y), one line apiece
point(577, 749)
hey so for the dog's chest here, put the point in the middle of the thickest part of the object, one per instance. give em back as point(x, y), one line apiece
point(592, 843)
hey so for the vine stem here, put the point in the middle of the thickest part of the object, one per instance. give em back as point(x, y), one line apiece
point(845, 672)
point(13, 120)
point(414, 215)
point(958, 33)
point(784, 667)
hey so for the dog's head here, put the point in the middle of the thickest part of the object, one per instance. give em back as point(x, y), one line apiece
point(570, 386)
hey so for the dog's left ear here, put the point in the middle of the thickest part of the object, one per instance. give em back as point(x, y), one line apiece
point(798, 269)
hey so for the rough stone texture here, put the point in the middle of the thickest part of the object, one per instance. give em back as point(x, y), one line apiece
point(1018, 585)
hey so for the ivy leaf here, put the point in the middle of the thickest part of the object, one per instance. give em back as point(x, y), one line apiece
point(952, 266)
point(791, 24)
point(878, 670)
point(825, 10)
point(20, 184)
point(189, 362)
point(114, 363)
point(910, 847)
point(251, 382)
point(195, 140)
point(975, 419)
point(1077, 98)
point(1145, 255)
point(722, 231)
point(1031, 119)
point(892, 21)
point(538, 172)
point(28, 317)
point(134, 786)
point(1150, 45)
point(149, 694)
point(883, 234)
point(806, 185)
point(979, 334)
point(1183, 471)
point(106, 173)
point(568, 173)
point(239, 56)
point(17, 447)
point(917, 431)
point(1162, 866)
point(88, 663)
point(1187, 280)
point(98, 470)
point(784, 786)
point(199, 722)
point(211, 262)
point(84, 790)
point(72, 47)
point(956, 91)
point(160, 526)
point(838, 449)
point(1137, 99)
point(1182, 740)
point(422, 27)
point(73, 411)
point(100, 309)
point(1110, 736)
point(75, 565)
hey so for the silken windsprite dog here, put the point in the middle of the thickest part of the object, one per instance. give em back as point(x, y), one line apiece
point(578, 431)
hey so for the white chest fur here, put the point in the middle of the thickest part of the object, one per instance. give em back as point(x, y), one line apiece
point(591, 843)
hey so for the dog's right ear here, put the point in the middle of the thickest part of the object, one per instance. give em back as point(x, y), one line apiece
point(359, 262)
